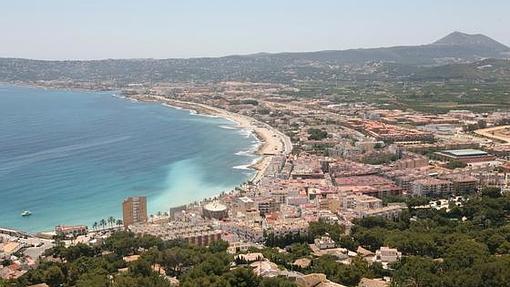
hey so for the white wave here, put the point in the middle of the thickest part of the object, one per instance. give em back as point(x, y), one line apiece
point(246, 132)
point(205, 115)
point(173, 107)
point(118, 96)
point(227, 127)
point(251, 151)
point(242, 167)
point(247, 166)
point(244, 153)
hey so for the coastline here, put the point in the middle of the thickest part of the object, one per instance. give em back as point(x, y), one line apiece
point(272, 141)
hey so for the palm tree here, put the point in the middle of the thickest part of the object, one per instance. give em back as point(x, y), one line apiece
point(119, 222)
point(94, 226)
point(102, 222)
point(111, 221)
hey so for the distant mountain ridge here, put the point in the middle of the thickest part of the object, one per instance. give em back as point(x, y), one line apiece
point(456, 47)
point(470, 40)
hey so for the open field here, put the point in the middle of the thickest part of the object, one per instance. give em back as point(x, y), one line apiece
point(501, 133)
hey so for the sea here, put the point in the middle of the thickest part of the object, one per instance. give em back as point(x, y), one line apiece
point(71, 157)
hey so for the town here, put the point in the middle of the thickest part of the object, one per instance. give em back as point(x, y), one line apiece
point(321, 163)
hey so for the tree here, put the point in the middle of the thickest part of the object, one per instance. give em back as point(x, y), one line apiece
point(322, 227)
point(492, 192)
point(340, 273)
point(102, 223)
point(94, 226)
point(317, 134)
point(416, 271)
point(141, 268)
point(241, 277)
point(92, 280)
point(54, 276)
point(79, 250)
point(218, 246)
point(465, 253)
point(111, 221)
point(119, 222)
point(6, 262)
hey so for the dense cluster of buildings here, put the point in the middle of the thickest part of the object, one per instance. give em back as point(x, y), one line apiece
point(363, 155)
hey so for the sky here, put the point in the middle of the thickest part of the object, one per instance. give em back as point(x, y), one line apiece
point(100, 29)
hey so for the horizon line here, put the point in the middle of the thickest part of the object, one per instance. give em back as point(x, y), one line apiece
point(239, 54)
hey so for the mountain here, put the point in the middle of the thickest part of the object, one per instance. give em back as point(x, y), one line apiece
point(455, 47)
point(459, 39)
point(262, 67)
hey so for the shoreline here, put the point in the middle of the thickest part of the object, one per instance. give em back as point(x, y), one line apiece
point(272, 141)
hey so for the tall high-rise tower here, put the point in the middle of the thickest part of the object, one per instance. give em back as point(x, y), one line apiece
point(134, 210)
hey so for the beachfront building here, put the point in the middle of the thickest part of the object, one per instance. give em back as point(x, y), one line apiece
point(201, 234)
point(68, 230)
point(134, 210)
point(215, 210)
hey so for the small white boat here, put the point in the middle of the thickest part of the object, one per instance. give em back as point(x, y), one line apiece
point(26, 213)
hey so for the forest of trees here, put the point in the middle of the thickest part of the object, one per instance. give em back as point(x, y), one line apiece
point(467, 246)
point(85, 266)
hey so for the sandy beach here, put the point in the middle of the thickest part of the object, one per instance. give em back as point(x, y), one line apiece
point(273, 142)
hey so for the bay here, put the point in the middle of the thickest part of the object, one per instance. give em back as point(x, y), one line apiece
point(71, 157)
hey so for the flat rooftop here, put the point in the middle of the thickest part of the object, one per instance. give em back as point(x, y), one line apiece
point(465, 152)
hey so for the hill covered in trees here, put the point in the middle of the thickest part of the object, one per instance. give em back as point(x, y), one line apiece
point(262, 67)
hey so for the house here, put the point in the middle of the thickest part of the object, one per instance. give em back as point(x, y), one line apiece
point(315, 280)
point(366, 282)
point(131, 258)
point(364, 252)
point(324, 242)
point(387, 255)
point(265, 268)
point(302, 262)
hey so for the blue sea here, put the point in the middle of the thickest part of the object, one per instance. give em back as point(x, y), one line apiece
point(71, 157)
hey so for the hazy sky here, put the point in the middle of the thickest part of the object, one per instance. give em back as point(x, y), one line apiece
point(97, 29)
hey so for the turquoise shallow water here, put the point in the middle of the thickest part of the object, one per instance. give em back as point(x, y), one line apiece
point(71, 157)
